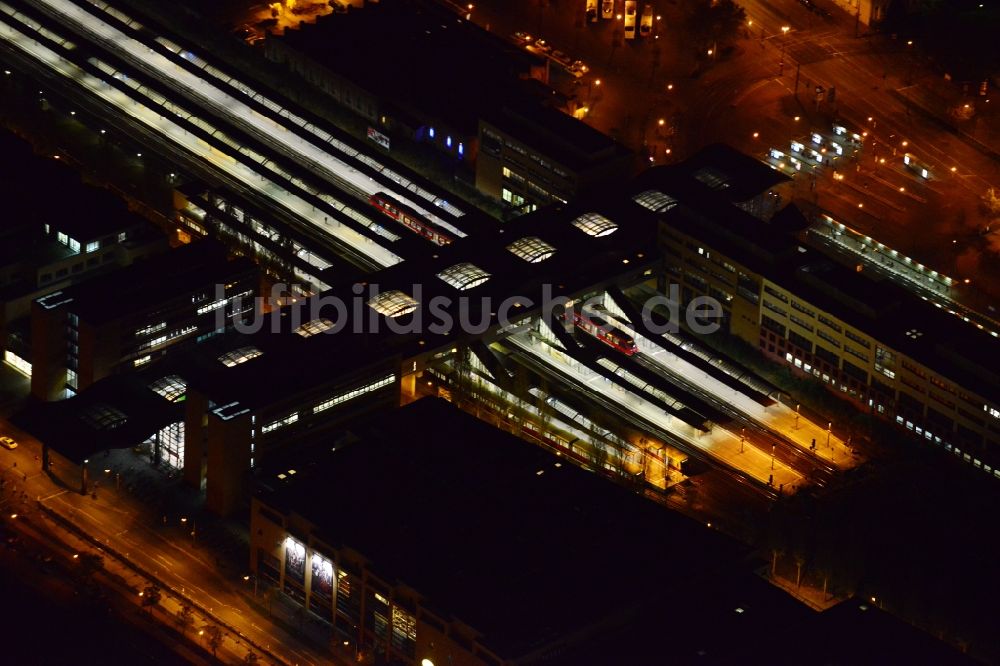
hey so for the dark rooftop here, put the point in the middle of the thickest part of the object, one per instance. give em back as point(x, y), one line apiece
point(572, 143)
point(148, 283)
point(82, 211)
point(117, 412)
point(540, 555)
point(502, 534)
point(425, 58)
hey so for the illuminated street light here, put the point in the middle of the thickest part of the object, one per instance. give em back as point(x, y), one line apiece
point(597, 82)
point(756, 134)
point(785, 29)
point(661, 122)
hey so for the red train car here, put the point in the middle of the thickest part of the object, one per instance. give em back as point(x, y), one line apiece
point(408, 217)
point(610, 335)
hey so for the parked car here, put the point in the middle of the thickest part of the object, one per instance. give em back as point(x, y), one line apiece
point(8, 443)
point(561, 58)
point(578, 69)
point(522, 38)
point(646, 23)
point(542, 46)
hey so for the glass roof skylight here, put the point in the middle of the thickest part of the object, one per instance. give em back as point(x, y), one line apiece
point(655, 200)
point(171, 387)
point(237, 356)
point(103, 417)
point(713, 178)
point(464, 276)
point(314, 327)
point(595, 224)
point(393, 304)
point(532, 249)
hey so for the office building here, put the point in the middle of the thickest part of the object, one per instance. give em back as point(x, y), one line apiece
point(488, 93)
point(131, 317)
point(532, 155)
point(48, 243)
point(865, 334)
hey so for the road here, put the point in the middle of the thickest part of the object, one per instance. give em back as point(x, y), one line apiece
point(730, 97)
point(163, 552)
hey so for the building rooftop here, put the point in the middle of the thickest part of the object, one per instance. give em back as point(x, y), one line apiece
point(501, 534)
point(573, 143)
point(416, 55)
point(144, 285)
point(623, 254)
point(32, 178)
point(116, 412)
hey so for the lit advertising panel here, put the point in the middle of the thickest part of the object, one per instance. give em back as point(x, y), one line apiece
point(295, 560)
point(322, 576)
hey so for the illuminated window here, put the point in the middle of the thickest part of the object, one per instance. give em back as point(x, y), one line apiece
point(532, 249)
point(92, 246)
point(431, 133)
point(172, 445)
point(393, 303)
point(314, 327)
point(237, 356)
point(17, 362)
point(464, 276)
point(354, 393)
point(447, 142)
point(595, 224)
point(404, 631)
point(152, 328)
point(655, 200)
point(461, 148)
point(103, 417)
point(274, 425)
point(74, 244)
point(171, 387)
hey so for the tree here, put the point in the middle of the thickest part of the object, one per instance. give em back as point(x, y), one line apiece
point(90, 564)
point(991, 202)
point(185, 617)
point(714, 21)
point(213, 635)
point(150, 597)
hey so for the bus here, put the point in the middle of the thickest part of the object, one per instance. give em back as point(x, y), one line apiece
point(630, 19)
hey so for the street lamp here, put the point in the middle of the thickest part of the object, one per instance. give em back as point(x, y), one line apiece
point(784, 43)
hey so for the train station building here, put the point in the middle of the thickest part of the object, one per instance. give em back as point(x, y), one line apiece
point(713, 226)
